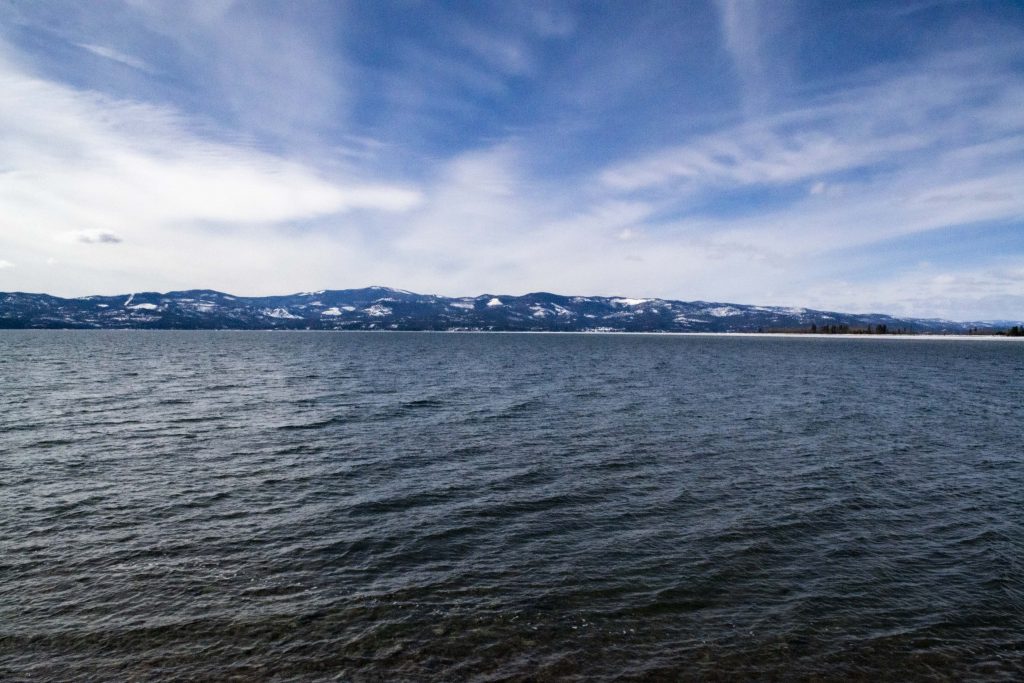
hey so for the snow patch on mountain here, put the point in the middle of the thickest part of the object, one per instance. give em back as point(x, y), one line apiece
point(280, 313)
point(206, 309)
point(378, 288)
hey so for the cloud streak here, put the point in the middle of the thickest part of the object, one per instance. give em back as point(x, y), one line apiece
point(136, 175)
point(90, 159)
point(742, 34)
point(117, 56)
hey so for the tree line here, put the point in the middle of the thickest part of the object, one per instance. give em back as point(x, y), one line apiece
point(881, 328)
point(846, 329)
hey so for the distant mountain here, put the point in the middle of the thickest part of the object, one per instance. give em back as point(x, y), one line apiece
point(381, 308)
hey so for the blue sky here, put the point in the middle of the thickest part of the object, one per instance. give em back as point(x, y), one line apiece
point(861, 156)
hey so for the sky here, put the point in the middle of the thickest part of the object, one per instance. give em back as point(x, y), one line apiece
point(852, 156)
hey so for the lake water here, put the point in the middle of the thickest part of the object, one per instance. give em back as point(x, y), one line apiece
point(392, 506)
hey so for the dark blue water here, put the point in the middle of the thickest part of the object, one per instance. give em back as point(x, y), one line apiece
point(361, 506)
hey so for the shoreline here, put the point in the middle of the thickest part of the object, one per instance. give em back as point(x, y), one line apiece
point(653, 333)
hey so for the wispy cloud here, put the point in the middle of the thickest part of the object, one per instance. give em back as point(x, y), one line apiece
point(954, 102)
point(507, 55)
point(749, 28)
point(743, 41)
point(929, 148)
point(995, 292)
point(117, 56)
point(759, 154)
point(275, 74)
point(117, 170)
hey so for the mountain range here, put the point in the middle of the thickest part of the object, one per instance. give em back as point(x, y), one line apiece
point(383, 308)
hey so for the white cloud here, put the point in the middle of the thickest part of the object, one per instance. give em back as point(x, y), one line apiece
point(5, 264)
point(756, 154)
point(935, 148)
point(992, 292)
point(117, 56)
point(955, 102)
point(102, 165)
point(81, 169)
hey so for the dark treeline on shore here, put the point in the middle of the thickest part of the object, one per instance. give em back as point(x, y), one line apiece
point(1015, 331)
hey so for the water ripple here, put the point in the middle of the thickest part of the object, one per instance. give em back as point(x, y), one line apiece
point(361, 506)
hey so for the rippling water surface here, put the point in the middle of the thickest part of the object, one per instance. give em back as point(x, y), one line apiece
point(388, 506)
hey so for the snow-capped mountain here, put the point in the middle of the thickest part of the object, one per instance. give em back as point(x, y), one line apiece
point(382, 308)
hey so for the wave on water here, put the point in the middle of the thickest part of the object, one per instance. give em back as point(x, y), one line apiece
point(508, 507)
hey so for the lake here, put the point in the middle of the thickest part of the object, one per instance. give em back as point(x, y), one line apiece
point(413, 506)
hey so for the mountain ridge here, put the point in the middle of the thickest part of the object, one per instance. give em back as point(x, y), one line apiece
point(385, 308)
